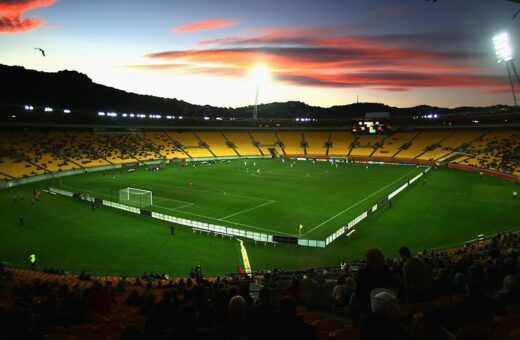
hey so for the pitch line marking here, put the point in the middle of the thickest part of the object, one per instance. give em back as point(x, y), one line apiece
point(208, 217)
point(182, 206)
point(219, 191)
point(246, 210)
point(186, 203)
point(236, 223)
point(356, 204)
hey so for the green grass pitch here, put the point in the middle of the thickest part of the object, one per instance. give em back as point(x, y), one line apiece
point(452, 207)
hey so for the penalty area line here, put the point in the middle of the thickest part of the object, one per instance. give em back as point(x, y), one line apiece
point(246, 210)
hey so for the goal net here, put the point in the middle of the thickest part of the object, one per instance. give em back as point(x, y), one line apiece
point(136, 197)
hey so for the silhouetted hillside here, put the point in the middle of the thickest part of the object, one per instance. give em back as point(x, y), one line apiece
point(74, 90)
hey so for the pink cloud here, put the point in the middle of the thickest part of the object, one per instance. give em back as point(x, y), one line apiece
point(12, 11)
point(327, 57)
point(206, 25)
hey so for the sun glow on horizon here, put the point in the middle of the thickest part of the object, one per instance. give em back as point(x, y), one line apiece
point(260, 74)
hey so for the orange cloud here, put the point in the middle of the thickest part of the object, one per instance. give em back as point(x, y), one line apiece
point(11, 12)
point(302, 56)
point(206, 25)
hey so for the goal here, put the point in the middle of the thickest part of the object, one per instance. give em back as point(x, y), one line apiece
point(137, 197)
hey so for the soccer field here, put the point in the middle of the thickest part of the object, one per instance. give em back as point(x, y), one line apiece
point(262, 195)
point(452, 207)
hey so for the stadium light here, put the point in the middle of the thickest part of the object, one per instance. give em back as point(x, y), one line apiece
point(503, 50)
point(66, 111)
point(28, 107)
point(48, 109)
point(260, 75)
point(100, 113)
point(504, 54)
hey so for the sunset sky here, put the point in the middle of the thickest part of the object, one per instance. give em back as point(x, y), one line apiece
point(400, 52)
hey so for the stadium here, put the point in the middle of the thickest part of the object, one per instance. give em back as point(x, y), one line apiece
point(134, 216)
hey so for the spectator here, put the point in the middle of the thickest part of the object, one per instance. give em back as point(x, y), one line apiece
point(510, 293)
point(382, 322)
point(235, 327)
point(261, 316)
point(294, 292)
point(291, 326)
point(341, 292)
point(98, 300)
point(417, 277)
point(374, 275)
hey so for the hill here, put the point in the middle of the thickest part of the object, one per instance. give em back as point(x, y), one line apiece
point(74, 90)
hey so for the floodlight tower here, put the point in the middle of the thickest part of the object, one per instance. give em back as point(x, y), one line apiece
point(504, 54)
point(255, 110)
point(259, 75)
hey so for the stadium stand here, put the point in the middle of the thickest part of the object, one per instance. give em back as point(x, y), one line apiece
point(292, 142)
point(393, 144)
point(495, 150)
point(425, 141)
point(29, 153)
point(317, 142)
point(341, 143)
point(475, 293)
point(164, 145)
point(366, 145)
point(243, 143)
point(455, 142)
point(265, 141)
point(217, 143)
point(190, 143)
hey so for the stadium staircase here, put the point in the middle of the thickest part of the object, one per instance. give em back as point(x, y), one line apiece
point(175, 143)
point(435, 145)
point(202, 142)
point(408, 142)
point(230, 143)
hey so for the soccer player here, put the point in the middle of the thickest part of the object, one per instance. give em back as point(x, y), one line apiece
point(191, 184)
point(93, 206)
point(21, 221)
point(423, 182)
point(515, 194)
point(172, 229)
point(32, 261)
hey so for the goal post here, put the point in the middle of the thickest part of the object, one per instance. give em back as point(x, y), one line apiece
point(134, 196)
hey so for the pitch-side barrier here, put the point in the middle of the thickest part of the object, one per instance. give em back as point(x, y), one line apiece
point(219, 230)
point(196, 226)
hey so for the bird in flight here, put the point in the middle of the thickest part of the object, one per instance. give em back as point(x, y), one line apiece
point(41, 50)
